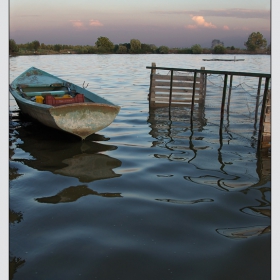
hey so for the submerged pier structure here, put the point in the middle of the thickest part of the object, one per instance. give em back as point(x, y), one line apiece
point(239, 102)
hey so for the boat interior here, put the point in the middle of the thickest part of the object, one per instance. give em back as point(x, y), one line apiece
point(51, 94)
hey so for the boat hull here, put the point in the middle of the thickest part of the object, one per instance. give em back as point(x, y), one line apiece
point(81, 119)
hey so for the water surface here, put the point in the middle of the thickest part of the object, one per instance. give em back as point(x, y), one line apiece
point(155, 195)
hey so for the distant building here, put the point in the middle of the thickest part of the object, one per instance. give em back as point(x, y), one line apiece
point(216, 42)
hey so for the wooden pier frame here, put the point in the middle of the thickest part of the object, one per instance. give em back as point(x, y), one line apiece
point(265, 122)
point(175, 90)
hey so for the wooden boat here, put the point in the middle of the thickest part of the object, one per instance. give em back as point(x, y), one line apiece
point(60, 104)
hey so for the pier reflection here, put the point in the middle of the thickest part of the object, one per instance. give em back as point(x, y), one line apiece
point(173, 130)
point(214, 152)
point(214, 163)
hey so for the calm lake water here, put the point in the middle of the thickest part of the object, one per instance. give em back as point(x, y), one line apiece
point(152, 196)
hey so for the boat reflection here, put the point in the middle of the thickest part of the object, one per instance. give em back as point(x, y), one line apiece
point(72, 194)
point(15, 217)
point(14, 264)
point(46, 149)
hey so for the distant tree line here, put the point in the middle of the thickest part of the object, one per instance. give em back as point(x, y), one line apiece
point(255, 44)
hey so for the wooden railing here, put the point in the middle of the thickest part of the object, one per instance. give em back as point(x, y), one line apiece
point(175, 90)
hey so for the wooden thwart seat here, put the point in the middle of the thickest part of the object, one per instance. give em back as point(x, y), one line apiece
point(44, 93)
point(40, 85)
point(25, 89)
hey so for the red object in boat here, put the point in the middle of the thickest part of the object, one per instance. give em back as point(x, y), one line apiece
point(50, 100)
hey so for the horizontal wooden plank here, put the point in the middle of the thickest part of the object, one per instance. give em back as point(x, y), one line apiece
point(175, 100)
point(175, 77)
point(267, 118)
point(159, 89)
point(265, 146)
point(189, 96)
point(176, 84)
point(266, 137)
point(266, 127)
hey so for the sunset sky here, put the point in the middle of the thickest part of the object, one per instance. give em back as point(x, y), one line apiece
point(177, 23)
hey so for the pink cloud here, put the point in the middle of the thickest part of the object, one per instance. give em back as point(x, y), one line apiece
point(201, 21)
point(94, 22)
point(226, 27)
point(190, 26)
point(77, 23)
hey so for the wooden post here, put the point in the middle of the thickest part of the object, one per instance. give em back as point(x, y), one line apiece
point(171, 84)
point(202, 88)
point(152, 90)
point(193, 94)
point(223, 101)
point(229, 93)
point(257, 102)
point(262, 117)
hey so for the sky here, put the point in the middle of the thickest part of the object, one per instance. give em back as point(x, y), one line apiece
point(175, 24)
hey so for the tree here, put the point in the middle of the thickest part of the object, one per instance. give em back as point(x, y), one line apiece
point(57, 47)
point(255, 42)
point(36, 45)
point(135, 46)
point(104, 45)
point(163, 49)
point(145, 48)
point(196, 49)
point(12, 46)
point(122, 49)
point(184, 51)
point(219, 49)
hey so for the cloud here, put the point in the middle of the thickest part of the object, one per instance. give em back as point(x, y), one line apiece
point(226, 27)
point(77, 23)
point(94, 22)
point(190, 26)
point(237, 13)
point(229, 13)
point(201, 21)
point(81, 25)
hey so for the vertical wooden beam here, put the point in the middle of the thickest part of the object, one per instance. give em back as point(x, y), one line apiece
point(202, 88)
point(263, 112)
point(229, 93)
point(151, 90)
point(257, 102)
point(223, 101)
point(193, 94)
point(171, 85)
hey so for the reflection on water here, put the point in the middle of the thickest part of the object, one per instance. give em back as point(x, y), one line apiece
point(60, 153)
point(88, 167)
point(15, 217)
point(244, 232)
point(183, 137)
point(185, 201)
point(72, 194)
point(173, 130)
point(14, 264)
